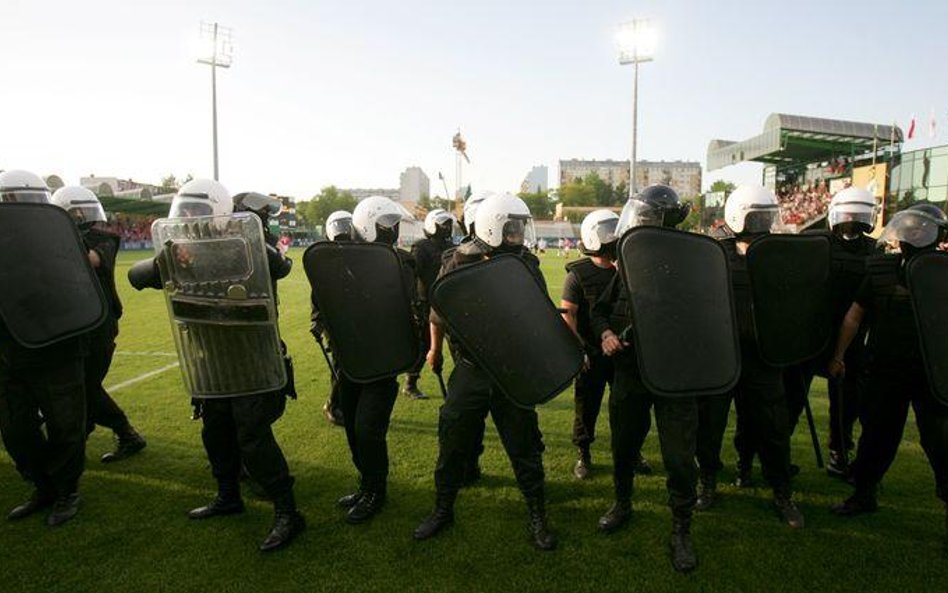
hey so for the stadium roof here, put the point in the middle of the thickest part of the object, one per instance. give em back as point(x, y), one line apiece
point(796, 140)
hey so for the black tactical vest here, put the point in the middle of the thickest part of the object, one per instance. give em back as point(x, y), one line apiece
point(593, 282)
point(893, 336)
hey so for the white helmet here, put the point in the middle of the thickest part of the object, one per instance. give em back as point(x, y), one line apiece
point(374, 214)
point(22, 186)
point(751, 209)
point(470, 209)
point(439, 218)
point(339, 226)
point(504, 219)
point(855, 205)
point(80, 202)
point(598, 229)
point(201, 197)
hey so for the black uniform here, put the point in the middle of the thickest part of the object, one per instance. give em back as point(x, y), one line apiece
point(896, 379)
point(471, 395)
point(630, 419)
point(427, 254)
point(237, 430)
point(103, 410)
point(848, 272)
point(367, 411)
point(763, 426)
point(48, 381)
point(585, 282)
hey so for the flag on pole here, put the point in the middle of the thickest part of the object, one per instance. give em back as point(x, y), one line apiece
point(911, 130)
point(931, 125)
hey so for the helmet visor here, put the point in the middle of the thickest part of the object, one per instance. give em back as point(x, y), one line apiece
point(87, 211)
point(388, 221)
point(605, 231)
point(185, 207)
point(852, 213)
point(638, 213)
point(519, 230)
point(339, 229)
point(265, 205)
point(913, 227)
point(760, 219)
point(31, 196)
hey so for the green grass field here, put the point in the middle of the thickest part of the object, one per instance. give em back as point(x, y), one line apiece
point(132, 533)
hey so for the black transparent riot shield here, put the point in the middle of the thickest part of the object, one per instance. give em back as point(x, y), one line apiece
point(50, 292)
point(928, 283)
point(364, 299)
point(683, 322)
point(508, 324)
point(220, 300)
point(792, 296)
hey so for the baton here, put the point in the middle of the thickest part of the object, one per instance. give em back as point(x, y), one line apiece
point(813, 435)
point(322, 348)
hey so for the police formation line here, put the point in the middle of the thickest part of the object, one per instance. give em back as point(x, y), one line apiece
point(672, 321)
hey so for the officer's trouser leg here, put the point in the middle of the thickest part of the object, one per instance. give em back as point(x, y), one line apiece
point(460, 425)
point(371, 418)
point(743, 438)
point(103, 410)
point(887, 405)
point(770, 429)
point(520, 434)
point(415, 371)
point(589, 389)
point(796, 385)
point(349, 394)
point(630, 420)
point(219, 435)
point(849, 389)
point(713, 411)
point(931, 416)
point(253, 416)
point(677, 421)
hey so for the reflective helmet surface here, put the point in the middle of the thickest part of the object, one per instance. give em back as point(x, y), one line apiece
point(921, 226)
point(470, 209)
point(751, 209)
point(201, 197)
point(856, 206)
point(504, 219)
point(17, 185)
point(375, 214)
point(598, 229)
point(656, 205)
point(80, 203)
point(339, 226)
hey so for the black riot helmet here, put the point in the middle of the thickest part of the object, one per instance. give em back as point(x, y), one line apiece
point(918, 228)
point(656, 205)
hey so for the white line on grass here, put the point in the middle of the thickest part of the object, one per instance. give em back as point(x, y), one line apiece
point(127, 353)
point(140, 378)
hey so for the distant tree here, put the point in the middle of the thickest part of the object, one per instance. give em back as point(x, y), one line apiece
point(539, 203)
point(577, 193)
point(314, 212)
point(726, 186)
point(169, 182)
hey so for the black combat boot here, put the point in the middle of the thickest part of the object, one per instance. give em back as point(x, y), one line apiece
point(862, 501)
point(441, 517)
point(617, 515)
point(369, 504)
point(128, 443)
point(837, 467)
point(411, 388)
point(64, 508)
point(40, 500)
point(788, 511)
point(683, 555)
point(350, 500)
point(227, 502)
point(583, 464)
point(709, 492)
point(543, 538)
point(288, 522)
point(643, 467)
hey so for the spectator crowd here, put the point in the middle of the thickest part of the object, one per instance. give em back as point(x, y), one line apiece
point(800, 204)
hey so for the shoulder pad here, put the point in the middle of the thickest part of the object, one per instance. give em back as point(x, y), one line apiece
point(580, 265)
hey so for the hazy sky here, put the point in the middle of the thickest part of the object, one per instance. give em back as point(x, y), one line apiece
point(351, 92)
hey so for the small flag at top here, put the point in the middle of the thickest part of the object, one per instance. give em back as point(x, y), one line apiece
point(911, 130)
point(931, 125)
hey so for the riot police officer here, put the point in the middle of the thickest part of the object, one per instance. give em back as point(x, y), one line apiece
point(439, 234)
point(237, 430)
point(45, 384)
point(630, 400)
point(367, 407)
point(501, 224)
point(763, 426)
point(338, 228)
point(102, 246)
point(586, 279)
point(852, 216)
point(896, 375)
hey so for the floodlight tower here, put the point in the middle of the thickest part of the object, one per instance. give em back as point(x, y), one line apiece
point(635, 43)
point(218, 52)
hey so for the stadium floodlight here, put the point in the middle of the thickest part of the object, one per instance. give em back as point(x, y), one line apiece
point(217, 51)
point(635, 43)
